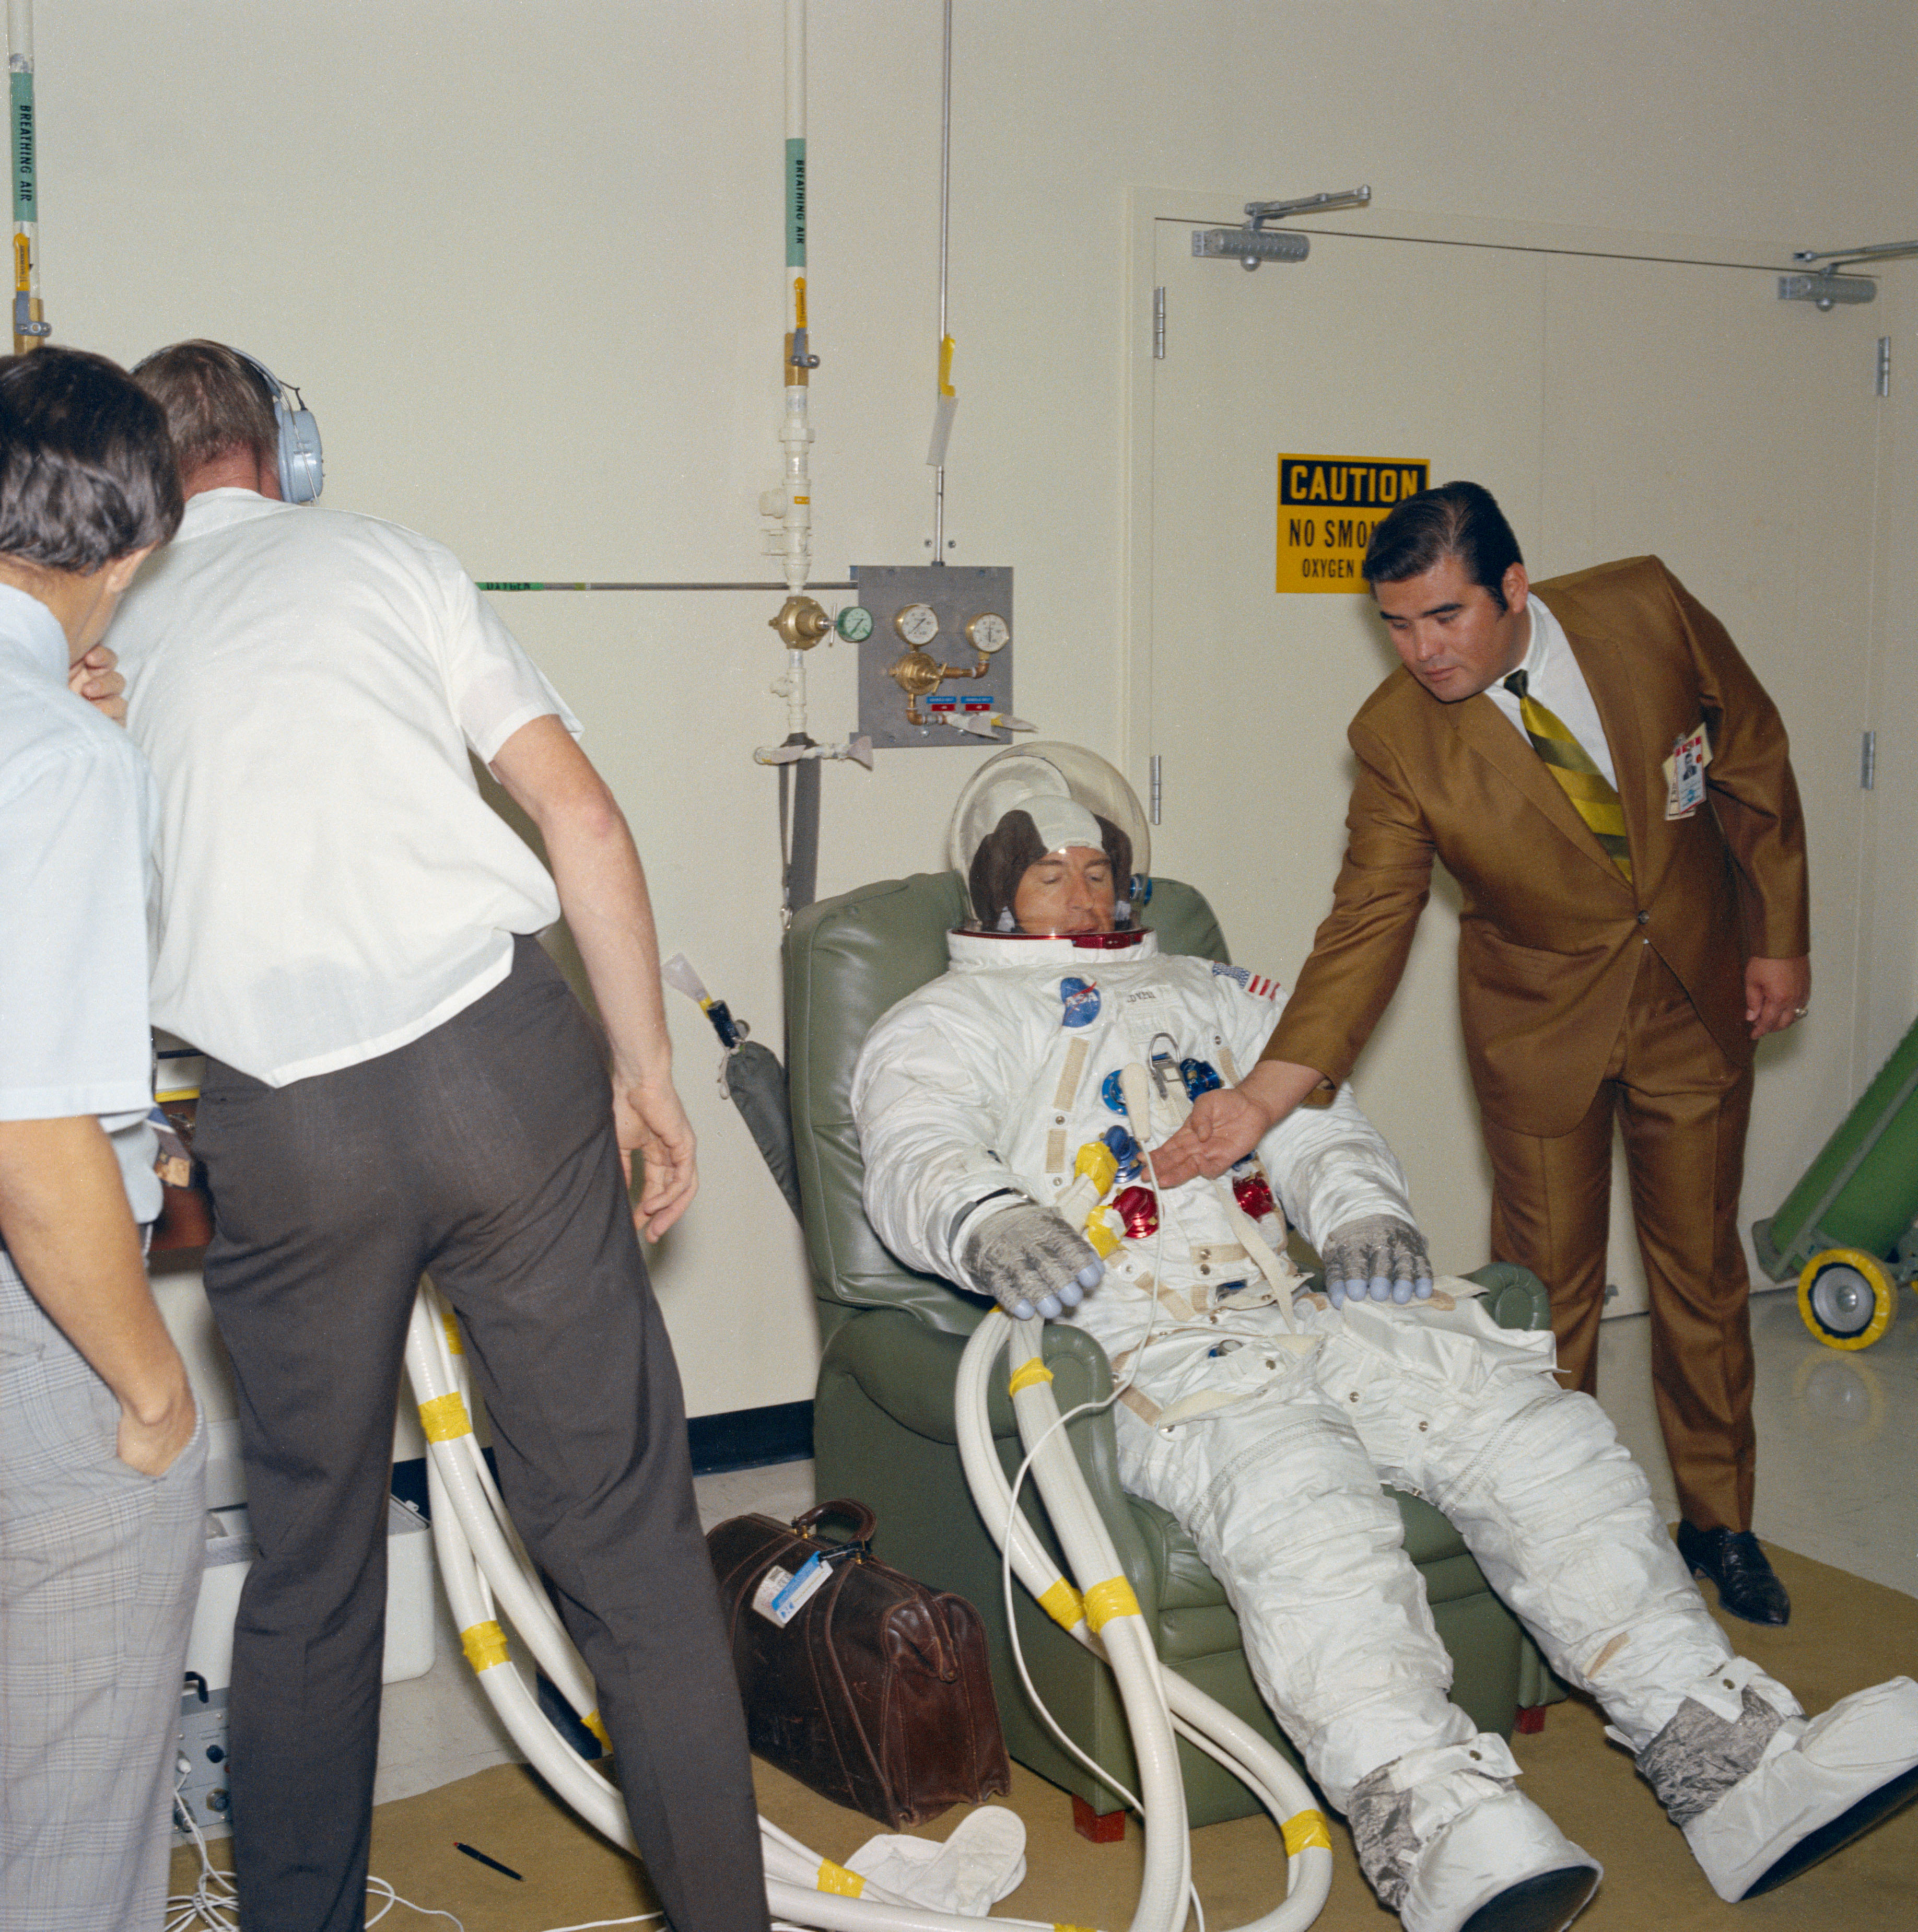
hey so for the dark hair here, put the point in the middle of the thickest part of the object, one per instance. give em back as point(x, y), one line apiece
point(87, 471)
point(215, 400)
point(1013, 845)
point(1460, 519)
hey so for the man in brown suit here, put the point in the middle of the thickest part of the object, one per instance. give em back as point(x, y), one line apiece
point(1634, 920)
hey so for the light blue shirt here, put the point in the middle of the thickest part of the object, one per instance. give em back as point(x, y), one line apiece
point(76, 826)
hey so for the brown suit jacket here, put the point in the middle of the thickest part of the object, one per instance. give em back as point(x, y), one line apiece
point(1549, 934)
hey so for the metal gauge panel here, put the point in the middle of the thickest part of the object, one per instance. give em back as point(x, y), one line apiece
point(958, 595)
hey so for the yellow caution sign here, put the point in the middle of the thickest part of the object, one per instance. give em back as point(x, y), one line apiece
point(1328, 507)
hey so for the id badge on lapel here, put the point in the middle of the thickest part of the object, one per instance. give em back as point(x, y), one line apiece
point(1684, 773)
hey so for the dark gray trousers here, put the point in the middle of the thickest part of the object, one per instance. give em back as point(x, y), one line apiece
point(485, 1153)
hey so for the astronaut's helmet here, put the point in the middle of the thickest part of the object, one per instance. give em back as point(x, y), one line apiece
point(1034, 802)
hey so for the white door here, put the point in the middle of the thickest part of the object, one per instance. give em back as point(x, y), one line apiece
point(1614, 405)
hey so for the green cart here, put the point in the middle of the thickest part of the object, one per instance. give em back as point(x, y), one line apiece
point(1849, 1230)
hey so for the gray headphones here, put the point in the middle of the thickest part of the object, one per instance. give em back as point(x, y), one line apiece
point(302, 474)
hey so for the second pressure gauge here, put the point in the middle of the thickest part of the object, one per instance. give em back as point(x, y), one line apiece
point(854, 623)
point(989, 632)
point(918, 624)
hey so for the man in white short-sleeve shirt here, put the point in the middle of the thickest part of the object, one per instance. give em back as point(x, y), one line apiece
point(399, 1080)
point(101, 1457)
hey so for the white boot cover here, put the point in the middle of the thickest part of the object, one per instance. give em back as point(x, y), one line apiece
point(981, 1861)
point(1816, 1787)
point(1441, 1833)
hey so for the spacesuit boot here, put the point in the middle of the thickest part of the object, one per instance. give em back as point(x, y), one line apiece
point(1761, 1794)
point(1449, 1844)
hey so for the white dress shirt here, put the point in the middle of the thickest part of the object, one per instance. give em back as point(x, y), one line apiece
point(76, 820)
point(306, 684)
point(1552, 675)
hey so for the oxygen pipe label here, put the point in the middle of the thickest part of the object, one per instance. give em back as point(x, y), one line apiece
point(26, 199)
point(795, 201)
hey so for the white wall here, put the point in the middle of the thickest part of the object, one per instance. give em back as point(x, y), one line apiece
point(525, 261)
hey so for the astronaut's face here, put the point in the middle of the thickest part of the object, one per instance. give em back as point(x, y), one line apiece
point(1450, 633)
point(1068, 892)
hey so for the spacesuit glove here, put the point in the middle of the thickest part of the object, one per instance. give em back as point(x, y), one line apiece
point(1380, 1256)
point(1029, 1260)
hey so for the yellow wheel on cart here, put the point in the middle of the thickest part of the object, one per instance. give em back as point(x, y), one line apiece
point(1846, 1298)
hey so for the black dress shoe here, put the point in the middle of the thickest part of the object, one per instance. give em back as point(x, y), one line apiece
point(1747, 1585)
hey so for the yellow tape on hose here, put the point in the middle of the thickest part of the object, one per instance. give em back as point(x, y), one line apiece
point(485, 1644)
point(444, 1418)
point(1062, 1603)
point(596, 1725)
point(451, 1322)
point(1304, 1829)
point(1027, 1373)
point(1105, 1601)
point(836, 1878)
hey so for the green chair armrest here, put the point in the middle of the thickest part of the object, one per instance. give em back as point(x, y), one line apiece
point(1514, 1297)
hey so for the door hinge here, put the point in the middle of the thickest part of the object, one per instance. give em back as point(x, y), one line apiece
point(1159, 325)
point(1867, 761)
point(1155, 789)
point(1884, 366)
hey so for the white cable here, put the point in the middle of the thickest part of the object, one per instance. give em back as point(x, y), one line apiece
point(479, 1557)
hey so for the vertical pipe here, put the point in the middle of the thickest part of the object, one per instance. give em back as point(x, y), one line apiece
point(29, 323)
point(796, 435)
point(945, 228)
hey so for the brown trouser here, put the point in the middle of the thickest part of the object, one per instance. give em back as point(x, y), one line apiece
point(1682, 1107)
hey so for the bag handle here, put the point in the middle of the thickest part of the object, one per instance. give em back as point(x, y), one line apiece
point(845, 1509)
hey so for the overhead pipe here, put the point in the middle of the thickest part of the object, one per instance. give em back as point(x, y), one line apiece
point(947, 403)
point(30, 326)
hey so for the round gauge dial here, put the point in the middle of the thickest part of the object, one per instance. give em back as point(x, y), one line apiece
point(854, 623)
point(989, 632)
point(918, 624)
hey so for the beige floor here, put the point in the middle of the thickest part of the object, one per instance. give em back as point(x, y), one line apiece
point(1846, 1632)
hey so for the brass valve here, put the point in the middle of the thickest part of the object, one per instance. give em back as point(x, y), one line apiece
point(802, 623)
point(918, 674)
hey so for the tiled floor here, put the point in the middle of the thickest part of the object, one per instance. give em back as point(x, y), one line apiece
point(1837, 1481)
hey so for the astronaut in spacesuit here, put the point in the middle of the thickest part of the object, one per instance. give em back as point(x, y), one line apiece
point(1006, 1111)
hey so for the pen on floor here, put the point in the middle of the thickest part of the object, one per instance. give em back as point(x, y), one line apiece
point(485, 1861)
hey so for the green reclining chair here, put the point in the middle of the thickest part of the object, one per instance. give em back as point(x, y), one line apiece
point(883, 1427)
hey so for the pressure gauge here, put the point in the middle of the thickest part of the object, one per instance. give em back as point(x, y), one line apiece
point(989, 632)
point(918, 624)
point(854, 623)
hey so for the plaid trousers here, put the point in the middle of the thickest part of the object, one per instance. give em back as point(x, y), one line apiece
point(99, 1571)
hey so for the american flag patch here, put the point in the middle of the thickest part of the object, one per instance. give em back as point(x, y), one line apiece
point(1255, 984)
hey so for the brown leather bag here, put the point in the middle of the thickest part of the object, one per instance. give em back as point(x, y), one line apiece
point(874, 1692)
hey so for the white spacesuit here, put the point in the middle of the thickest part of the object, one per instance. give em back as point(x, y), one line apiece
point(1000, 1109)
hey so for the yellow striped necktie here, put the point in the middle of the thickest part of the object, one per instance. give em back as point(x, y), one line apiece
point(1579, 778)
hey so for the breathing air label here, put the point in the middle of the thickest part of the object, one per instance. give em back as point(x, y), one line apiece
point(26, 200)
point(795, 202)
point(1328, 507)
point(780, 1595)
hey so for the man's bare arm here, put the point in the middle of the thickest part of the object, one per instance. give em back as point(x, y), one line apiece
point(67, 1228)
point(603, 892)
